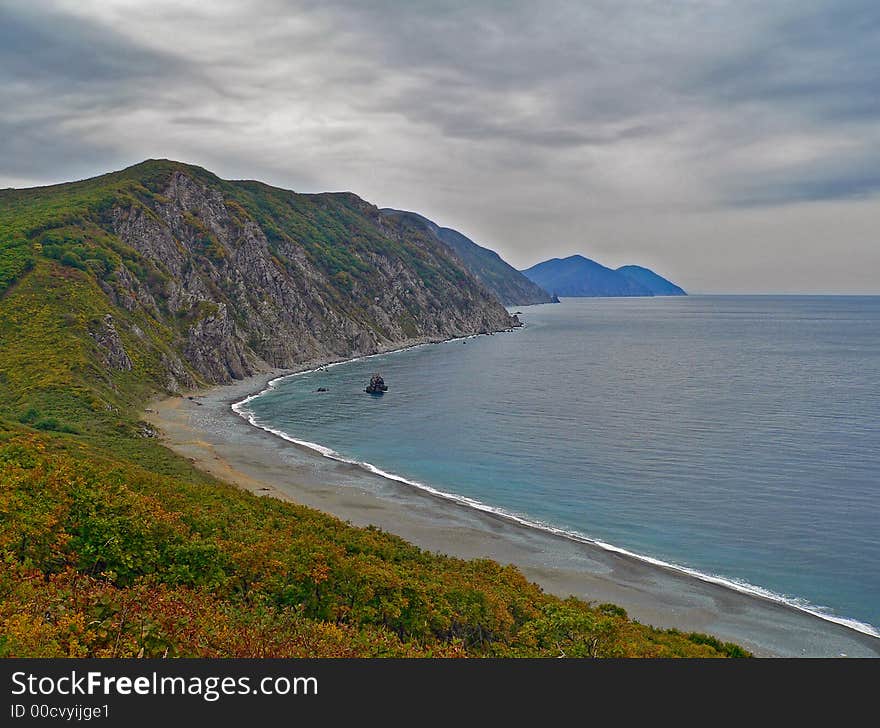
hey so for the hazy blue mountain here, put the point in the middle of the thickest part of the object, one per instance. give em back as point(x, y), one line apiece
point(580, 276)
point(510, 286)
point(657, 284)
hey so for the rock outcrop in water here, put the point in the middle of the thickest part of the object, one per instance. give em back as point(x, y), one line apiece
point(377, 385)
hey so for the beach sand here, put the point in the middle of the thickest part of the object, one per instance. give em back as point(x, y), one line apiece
point(206, 430)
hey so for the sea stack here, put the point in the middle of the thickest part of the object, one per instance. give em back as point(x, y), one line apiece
point(377, 385)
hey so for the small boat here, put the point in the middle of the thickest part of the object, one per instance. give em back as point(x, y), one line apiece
point(377, 385)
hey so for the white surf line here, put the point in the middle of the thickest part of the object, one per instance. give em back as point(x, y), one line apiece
point(733, 584)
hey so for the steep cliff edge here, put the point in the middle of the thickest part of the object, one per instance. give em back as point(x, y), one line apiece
point(510, 286)
point(163, 277)
point(210, 280)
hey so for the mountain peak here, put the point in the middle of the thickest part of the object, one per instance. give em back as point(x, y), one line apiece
point(657, 284)
point(579, 276)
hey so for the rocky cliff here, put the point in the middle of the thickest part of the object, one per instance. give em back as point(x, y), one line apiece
point(510, 286)
point(216, 280)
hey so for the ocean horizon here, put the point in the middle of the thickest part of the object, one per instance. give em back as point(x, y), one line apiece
point(730, 437)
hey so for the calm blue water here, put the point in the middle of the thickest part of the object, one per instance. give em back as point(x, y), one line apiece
point(737, 436)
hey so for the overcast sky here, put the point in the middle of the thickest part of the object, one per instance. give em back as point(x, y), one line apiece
point(733, 146)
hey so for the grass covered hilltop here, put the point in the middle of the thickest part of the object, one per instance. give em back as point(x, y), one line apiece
point(163, 277)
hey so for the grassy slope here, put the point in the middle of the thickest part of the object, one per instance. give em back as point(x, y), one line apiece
point(510, 286)
point(337, 231)
point(112, 545)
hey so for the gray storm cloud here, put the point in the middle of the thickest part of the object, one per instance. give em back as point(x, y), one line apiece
point(733, 146)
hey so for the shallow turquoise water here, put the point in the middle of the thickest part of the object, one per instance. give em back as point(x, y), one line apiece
point(734, 435)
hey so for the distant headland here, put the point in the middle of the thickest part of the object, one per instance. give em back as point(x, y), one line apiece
point(578, 276)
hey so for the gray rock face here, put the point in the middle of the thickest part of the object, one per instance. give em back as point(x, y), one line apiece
point(510, 286)
point(238, 304)
point(214, 347)
point(177, 377)
point(106, 336)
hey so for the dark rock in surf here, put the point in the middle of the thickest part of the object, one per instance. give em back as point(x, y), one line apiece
point(377, 385)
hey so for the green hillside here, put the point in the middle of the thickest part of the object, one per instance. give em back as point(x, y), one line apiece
point(114, 290)
point(510, 286)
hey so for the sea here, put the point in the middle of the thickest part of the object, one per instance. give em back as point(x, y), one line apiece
point(736, 438)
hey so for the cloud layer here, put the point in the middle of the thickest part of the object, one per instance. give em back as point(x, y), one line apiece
point(734, 145)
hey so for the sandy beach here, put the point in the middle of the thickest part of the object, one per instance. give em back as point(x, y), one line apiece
point(204, 428)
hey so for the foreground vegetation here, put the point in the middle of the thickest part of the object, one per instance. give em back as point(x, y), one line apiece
point(111, 545)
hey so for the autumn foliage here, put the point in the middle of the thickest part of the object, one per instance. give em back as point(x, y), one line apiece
point(111, 545)
point(101, 558)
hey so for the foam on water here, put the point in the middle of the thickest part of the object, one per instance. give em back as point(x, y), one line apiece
point(241, 408)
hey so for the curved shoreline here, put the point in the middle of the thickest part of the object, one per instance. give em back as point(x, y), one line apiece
point(223, 442)
point(731, 583)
